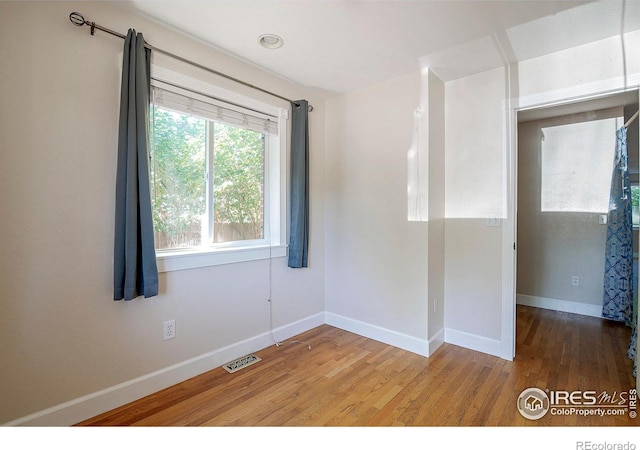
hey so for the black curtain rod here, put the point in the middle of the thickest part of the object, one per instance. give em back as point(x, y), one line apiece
point(78, 19)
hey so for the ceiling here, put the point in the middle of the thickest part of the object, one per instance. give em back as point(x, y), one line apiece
point(343, 46)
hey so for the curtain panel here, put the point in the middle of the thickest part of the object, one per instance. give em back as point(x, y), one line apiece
point(618, 295)
point(135, 269)
point(299, 213)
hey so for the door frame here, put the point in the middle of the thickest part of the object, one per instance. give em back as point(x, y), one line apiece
point(511, 107)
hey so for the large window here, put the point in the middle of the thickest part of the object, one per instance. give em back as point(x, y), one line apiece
point(576, 165)
point(215, 177)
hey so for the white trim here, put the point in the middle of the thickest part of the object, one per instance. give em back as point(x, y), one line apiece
point(91, 405)
point(169, 261)
point(587, 91)
point(74, 411)
point(585, 309)
point(473, 342)
point(436, 341)
point(510, 172)
point(210, 89)
point(384, 335)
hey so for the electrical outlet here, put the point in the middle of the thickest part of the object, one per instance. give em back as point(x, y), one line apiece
point(492, 221)
point(169, 331)
point(575, 281)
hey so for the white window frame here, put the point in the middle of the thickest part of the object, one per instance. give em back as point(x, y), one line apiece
point(635, 225)
point(273, 244)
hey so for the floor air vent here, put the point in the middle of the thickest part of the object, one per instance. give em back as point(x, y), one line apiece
point(241, 363)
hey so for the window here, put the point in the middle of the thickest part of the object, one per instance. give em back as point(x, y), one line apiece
point(215, 175)
point(207, 176)
point(576, 165)
point(635, 205)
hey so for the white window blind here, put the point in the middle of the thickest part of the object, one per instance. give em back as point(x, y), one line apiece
point(185, 101)
point(576, 166)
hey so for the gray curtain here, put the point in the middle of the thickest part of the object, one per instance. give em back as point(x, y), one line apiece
point(299, 213)
point(135, 270)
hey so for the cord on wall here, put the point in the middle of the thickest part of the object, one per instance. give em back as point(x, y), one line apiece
point(273, 339)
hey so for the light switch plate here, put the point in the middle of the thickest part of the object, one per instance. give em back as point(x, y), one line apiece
point(492, 222)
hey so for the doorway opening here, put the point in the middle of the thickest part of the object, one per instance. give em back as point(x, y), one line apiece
point(565, 159)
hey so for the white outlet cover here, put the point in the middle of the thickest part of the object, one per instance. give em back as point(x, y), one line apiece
point(169, 330)
point(492, 221)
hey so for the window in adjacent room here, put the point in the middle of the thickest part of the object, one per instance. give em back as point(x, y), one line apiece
point(576, 164)
point(635, 204)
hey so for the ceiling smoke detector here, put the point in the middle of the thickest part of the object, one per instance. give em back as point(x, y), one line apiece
point(271, 41)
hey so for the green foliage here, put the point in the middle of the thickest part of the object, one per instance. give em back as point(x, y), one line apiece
point(635, 204)
point(179, 185)
point(238, 181)
point(177, 174)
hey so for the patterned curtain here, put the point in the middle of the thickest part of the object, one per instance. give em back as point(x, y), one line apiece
point(617, 301)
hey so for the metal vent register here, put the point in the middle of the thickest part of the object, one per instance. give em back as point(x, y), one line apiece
point(241, 363)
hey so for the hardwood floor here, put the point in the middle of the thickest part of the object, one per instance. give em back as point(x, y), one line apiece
point(348, 380)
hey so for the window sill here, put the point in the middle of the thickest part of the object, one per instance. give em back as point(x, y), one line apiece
point(169, 261)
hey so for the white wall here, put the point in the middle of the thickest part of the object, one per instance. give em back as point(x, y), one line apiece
point(474, 192)
point(62, 336)
point(376, 260)
point(436, 250)
point(478, 170)
point(371, 270)
point(584, 65)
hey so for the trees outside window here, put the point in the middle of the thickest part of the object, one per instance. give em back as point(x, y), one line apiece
point(207, 180)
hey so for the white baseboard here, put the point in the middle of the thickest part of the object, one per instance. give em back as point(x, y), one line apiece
point(473, 342)
point(584, 309)
point(436, 341)
point(389, 337)
point(96, 403)
point(74, 411)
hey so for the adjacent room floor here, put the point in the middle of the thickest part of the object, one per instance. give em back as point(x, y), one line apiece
point(349, 380)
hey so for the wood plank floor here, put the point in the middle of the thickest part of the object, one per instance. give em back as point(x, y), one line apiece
point(348, 380)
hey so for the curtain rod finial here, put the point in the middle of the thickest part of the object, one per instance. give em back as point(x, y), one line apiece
point(77, 19)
